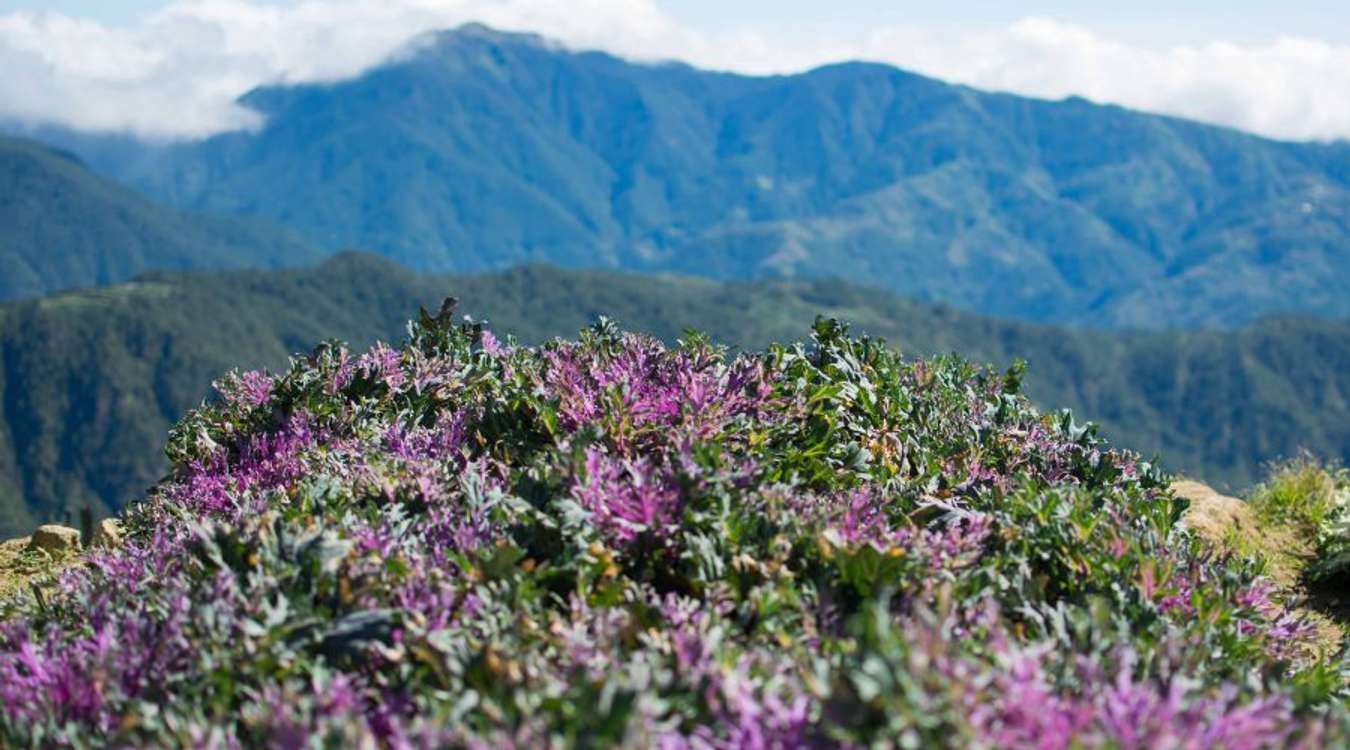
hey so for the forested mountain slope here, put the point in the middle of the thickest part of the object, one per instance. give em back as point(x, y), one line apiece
point(62, 226)
point(93, 379)
point(480, 150)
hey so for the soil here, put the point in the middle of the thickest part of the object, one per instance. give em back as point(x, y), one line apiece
point(1228, 524)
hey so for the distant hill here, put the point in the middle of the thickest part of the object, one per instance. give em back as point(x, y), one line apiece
point(62, 226)
point(91, 380)
point(483, 150)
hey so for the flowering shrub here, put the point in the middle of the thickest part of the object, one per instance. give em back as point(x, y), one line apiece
point(464, 542)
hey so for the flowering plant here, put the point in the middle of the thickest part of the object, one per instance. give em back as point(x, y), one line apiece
point(464, 542)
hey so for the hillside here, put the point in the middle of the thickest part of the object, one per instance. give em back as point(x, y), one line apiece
point(484, 150)
point(62, 226)
point(93, 379)
point(609, 542)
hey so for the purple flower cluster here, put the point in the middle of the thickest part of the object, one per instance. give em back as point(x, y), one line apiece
point(470, 543)
point(1022, 709)
point(629, 497)
point(641, 392)
point(247, 390)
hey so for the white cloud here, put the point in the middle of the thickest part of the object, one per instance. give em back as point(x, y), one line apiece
point(1287, 88)
point(178, 72)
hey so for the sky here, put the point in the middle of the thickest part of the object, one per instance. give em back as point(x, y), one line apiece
point(174, 68)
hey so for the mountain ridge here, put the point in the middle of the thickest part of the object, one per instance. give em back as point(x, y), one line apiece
point(62, 226)
point(477, 151)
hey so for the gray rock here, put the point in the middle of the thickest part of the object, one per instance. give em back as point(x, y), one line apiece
point(107, 534)
point(56, 540)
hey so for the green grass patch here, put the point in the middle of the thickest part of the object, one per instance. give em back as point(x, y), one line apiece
point(1301, 494)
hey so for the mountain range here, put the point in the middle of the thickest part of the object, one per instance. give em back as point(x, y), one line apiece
point(62, 226)
point(937, 216)
point(476, 150)
point(92, 379)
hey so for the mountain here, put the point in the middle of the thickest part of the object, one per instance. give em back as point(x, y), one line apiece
point(62, 226)
point(477, 150)
point(91, 380)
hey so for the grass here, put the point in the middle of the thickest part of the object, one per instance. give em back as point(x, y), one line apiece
point(1282, 525)
point(22, 567)
point(1299, 495)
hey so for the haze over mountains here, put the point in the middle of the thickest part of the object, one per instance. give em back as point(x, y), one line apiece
point(481, 149)
point(61, 226)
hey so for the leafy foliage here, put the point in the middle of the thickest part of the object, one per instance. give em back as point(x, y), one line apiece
point(466, 541)
point(1333, 540)
point(1314, 502)
point(1302, 494)
point(93, 379)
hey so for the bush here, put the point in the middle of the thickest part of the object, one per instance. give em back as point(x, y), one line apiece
point(1301, 493)
point(1313, 501)
point(1332, 560)
point(466, 543)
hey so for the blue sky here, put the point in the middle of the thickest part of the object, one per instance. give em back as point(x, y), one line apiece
point(175, 69)
point(1141, 21)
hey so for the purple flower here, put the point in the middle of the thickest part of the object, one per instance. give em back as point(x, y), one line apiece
point(248, 390)
point(383, 365)
point(627, 497)
point(491, 345)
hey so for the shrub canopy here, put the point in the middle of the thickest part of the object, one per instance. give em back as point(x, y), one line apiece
point(462, 542)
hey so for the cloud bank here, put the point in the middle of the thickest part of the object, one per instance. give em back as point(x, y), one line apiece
point(177, 73)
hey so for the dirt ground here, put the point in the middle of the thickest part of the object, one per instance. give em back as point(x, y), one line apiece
point(1227, 523)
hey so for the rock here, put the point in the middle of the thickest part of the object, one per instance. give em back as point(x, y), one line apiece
point(1229, 524)
point(107, 534)
point(1212, 515)
point(57, 541)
